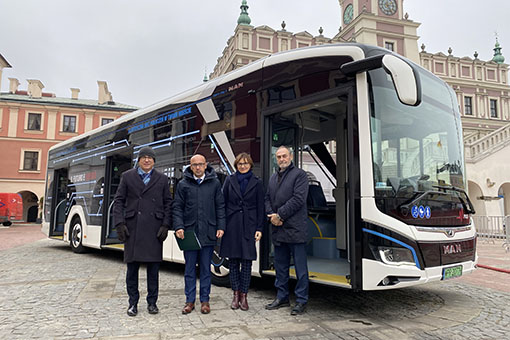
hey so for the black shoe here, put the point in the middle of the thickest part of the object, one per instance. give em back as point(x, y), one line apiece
point(132, 310)
point(153, 309)
point(277, 304)
point(299, 308)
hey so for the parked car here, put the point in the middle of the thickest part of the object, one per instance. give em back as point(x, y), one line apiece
point(11, 208)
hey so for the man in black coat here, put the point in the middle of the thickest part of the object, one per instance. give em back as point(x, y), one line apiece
point(199, 206)
point(286, 208)
point(142, 217)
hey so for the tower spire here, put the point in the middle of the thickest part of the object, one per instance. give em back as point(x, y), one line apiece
point(498, 57)
point(244, 19)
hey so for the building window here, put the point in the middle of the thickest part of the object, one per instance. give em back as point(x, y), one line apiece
point(34, 121)
point(30, 160)
point(494, 108)
point(69, 124)
point(466, 71)
point(246, 41)
point(264, 43)
point(389, 46)
point(491, 74)
point(105, 121)
point(468, 105)
point(284, 45)
point(439, 67)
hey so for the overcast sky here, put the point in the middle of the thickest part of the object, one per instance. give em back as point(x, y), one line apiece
point(149, 50)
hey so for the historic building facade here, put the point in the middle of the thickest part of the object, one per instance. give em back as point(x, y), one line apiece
point(31, 121)
point(482, 86)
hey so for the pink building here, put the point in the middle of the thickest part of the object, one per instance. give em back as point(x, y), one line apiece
point(482, 88)
point(31, 121)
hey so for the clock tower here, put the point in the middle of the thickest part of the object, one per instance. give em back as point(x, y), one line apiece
point(382, 23)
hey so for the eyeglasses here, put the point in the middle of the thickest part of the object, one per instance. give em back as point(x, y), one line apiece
point(243, 164)
point(198, 165)
point(145, 157)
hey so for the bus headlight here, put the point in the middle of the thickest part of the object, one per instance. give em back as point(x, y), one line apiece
point(396, 256)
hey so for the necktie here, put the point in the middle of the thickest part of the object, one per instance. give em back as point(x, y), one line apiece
point(199, 180)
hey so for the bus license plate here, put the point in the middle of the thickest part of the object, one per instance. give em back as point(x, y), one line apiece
point(452, 272)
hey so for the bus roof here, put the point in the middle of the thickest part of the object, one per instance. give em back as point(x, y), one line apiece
point(356, 51)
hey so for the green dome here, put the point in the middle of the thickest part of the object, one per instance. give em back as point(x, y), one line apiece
point(498, 57)
point(244, 19)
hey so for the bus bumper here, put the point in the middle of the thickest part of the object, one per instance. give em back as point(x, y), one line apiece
point(380, 276)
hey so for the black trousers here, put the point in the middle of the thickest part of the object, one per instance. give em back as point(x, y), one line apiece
point(152, 282)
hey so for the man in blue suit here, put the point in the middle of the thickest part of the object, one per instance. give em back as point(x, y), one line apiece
point(286, 208)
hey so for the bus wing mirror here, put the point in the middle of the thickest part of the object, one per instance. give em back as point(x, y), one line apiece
point(405, 80)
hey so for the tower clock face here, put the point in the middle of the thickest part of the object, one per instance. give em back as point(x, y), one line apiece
point(348, 13)
point(388, 7)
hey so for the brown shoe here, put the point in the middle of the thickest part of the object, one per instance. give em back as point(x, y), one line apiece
point(205, 309)
point(243, 301)
point(235, 300)
point(188, 307)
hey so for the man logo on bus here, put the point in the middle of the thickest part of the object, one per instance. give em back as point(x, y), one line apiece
point(236, 86)
point(452, 249)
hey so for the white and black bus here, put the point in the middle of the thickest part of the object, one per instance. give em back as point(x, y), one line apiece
point(379, 136)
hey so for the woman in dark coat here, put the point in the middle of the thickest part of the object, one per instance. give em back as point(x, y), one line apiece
point(244, 204)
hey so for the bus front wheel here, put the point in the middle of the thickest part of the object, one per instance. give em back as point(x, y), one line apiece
point(76, 236)
point(220, 275)
point(8, 223)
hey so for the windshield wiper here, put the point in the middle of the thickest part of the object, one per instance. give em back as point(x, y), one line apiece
point(468, 206)
point(405, 208)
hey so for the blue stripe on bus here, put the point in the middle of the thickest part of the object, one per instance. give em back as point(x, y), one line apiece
point(397, 242)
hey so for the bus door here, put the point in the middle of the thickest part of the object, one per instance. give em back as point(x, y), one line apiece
point(115, 166)
point(59, 203)
point(316, 128)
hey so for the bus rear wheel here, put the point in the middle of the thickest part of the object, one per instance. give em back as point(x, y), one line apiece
point(220, 274)
point(76, 236)
point(8, 223)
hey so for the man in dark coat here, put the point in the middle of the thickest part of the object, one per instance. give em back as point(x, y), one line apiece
point(286, 208)
point(199, 206)
point(142, 217)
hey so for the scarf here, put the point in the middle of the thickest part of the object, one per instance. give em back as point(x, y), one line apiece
point(146, 177)
point(243, 180)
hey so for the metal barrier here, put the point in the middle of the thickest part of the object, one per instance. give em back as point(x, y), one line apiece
point(491, 228)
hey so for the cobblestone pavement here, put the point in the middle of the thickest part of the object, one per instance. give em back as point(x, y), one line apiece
point(18, 234)
point(48, 292)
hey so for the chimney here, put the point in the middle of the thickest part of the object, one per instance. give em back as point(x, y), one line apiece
point(74, 93)
point(104, 96)
point(13, 85)
point(3, 64)
point(35, 88)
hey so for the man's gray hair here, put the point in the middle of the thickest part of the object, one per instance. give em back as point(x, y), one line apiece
point(288, 148)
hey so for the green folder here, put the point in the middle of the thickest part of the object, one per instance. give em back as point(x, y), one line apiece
point(190, 241)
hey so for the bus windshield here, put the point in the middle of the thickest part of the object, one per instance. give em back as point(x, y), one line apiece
point(418, 160)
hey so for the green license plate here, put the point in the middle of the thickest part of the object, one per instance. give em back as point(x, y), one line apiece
point(452, 272)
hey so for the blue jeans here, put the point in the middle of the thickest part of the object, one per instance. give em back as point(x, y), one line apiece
point(203, 257)
point(282, 254)
point(152, 282)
